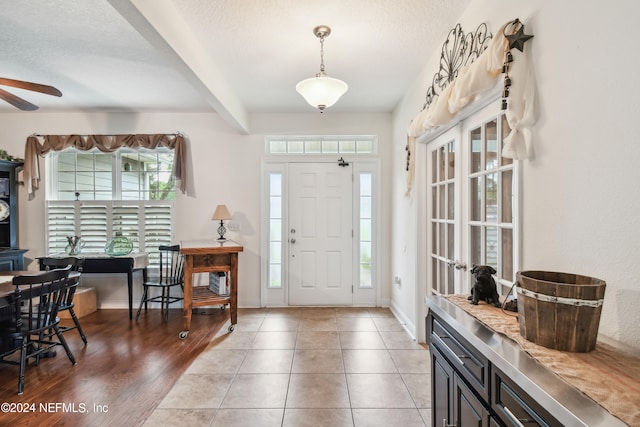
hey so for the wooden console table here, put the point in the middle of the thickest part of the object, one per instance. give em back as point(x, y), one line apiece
point(209, 256)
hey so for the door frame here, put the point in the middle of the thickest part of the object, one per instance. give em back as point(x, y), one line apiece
point(279, 297)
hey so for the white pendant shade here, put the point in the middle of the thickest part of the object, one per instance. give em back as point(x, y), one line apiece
point(321, 91)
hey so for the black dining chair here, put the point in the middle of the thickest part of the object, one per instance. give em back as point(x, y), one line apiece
point(171, 274)
point(34, 306)
point(51, 263)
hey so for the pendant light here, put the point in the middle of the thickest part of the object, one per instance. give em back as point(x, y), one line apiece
point(321, 91)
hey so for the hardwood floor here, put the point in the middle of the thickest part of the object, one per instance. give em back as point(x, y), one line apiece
point(121, 375)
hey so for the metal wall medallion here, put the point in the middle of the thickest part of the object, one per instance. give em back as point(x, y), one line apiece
point(458, 50)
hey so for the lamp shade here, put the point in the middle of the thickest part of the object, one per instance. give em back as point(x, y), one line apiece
point(221, 213)
point(321, 91)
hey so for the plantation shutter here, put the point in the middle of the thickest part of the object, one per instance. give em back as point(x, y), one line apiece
point(93, 226)
point(156, 228)
point(60, 224)
point(146, 223)
point(126, 222)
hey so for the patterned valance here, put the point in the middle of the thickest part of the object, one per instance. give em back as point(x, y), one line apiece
point(105, 143)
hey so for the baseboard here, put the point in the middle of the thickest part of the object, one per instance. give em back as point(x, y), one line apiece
point(404, 320)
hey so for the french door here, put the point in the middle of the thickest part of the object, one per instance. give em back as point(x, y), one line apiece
point(444, 242)
point(472, 204)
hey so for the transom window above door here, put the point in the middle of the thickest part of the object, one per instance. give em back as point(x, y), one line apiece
point(281, 145)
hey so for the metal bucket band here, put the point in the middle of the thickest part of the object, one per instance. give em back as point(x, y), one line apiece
point(560, 300)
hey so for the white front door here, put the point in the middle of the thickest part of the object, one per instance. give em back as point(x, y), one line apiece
point(320, 234)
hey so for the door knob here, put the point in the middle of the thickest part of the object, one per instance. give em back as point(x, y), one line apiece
point(457, 265)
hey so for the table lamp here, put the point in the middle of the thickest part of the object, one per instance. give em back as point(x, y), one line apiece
point(221, 213)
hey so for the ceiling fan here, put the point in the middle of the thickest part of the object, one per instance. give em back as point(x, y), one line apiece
point(20, 103)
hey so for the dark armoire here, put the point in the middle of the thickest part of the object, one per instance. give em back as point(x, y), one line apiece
point(11, 256)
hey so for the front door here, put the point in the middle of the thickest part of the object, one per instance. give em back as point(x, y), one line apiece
point(320, 234)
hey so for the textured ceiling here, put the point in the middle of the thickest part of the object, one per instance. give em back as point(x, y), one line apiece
point(234, 56)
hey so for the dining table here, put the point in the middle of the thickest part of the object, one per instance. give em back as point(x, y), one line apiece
point(7, 288)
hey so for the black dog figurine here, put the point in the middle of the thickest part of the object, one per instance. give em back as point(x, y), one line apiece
point(484, 287)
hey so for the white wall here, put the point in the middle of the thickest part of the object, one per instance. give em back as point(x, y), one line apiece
point(580, 196)
point(224, 168)
point(580, 192)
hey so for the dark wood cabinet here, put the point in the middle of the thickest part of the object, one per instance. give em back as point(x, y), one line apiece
point(11, 256)
point(12, 259)
point(507, 402)
point(455, 402)
point(468, 410)
point(462, 379)
point(481, 378)
point(467, 389)
point(441, 388)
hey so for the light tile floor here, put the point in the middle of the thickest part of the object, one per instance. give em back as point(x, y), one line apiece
point(303, 367)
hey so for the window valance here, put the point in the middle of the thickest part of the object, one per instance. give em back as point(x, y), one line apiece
point(479, 77)
point(475, 78)
point(105, 143)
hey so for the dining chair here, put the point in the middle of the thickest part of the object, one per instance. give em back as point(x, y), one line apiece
point(34, 305)
point(171, 274)
point(50, 263)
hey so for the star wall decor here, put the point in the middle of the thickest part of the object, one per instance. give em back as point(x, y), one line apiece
point(518, 38)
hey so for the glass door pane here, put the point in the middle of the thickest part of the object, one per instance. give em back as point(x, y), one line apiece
point(442, 222)
point(491, 200)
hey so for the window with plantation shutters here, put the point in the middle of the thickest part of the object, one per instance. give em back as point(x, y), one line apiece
point(124, 193)
point(93, 226)
point(147, 224)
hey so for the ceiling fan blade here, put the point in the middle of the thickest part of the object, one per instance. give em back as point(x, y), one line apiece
point(17, 101)
point(49, 90)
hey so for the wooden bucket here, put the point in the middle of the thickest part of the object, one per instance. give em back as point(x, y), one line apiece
point(559, 310)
